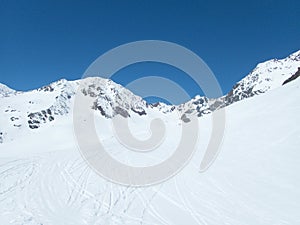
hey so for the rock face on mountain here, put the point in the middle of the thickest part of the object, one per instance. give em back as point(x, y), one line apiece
point(295, 76)
point(266, 76)
point(198, 106)
point(64, 91)
point(112, 99)
point(34, 108)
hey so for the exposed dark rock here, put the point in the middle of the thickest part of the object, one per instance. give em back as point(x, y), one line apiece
point(218, 103)
point(141, 112)
point(122, 112)
point(295, 76)
point(33, 126)
point(155, 104)
point(98, 107)
point(1, 137)
point(46, 88)
point(36, 118)
point(14, 118)
point(84, 92)
point(185, 119)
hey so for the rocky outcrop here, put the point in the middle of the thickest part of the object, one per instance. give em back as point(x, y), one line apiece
point(295, 76)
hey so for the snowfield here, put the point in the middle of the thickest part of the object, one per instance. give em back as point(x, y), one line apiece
point(254, 180)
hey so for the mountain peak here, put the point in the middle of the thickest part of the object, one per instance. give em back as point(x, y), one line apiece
point(295, 56)
point(5, 91)
point(53, 101)
point(264, 77)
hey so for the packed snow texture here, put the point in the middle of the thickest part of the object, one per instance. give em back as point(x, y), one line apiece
point(254, 180)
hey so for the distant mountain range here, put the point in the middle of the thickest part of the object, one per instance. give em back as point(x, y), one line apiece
point(32, 109)
point(253, 180)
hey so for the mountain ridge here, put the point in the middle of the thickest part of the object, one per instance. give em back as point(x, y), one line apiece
point(34, 108)
point(254, 179)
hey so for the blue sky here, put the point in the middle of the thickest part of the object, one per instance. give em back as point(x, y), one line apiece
point(43, 41)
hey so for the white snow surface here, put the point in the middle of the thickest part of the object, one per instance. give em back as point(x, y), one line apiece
point(254, 180)
point(274, 72)
point(6, 91)
point(267, 76)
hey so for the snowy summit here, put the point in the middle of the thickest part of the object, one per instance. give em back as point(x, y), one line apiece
point(254, 180)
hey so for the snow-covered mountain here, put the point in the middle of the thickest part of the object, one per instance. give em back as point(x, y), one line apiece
point(6, 91)
point(266, 76)
point(255, 180)
point(34, 108)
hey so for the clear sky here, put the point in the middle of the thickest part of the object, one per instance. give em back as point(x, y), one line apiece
point(42, 41)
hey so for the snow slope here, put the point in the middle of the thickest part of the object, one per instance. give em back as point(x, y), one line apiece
point(264, 77)
point(6, 91)
point(23, 111)
point(255, 179)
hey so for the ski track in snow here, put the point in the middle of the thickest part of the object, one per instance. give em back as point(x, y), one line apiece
point(254, 180)
point(58, 187)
